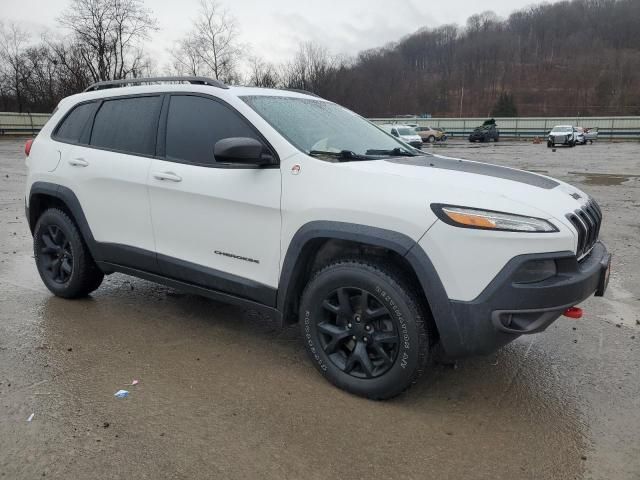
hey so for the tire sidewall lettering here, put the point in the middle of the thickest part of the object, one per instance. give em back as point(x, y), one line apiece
point(403, 327)
point(309, 340)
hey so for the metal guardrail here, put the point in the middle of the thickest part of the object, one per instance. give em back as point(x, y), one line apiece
point(609, 128)
point(22, 123)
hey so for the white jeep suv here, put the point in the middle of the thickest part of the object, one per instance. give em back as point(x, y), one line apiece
point(286, 203)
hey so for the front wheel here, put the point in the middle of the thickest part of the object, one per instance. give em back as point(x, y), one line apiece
point(431, 139)
point(364, 329)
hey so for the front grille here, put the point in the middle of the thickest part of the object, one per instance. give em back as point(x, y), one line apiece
point(586, 221)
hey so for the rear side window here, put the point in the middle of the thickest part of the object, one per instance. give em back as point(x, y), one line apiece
point(195, 124)
point(127, 125)
point(71, 128)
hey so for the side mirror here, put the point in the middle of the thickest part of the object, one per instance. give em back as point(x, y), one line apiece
point(241, 150)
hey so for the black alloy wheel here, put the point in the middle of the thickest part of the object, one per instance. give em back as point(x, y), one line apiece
point(357, 333)
point(57, 254)
point(62, 257)
point(364, 327)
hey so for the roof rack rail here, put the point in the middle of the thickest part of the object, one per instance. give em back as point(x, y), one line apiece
point(138, 81)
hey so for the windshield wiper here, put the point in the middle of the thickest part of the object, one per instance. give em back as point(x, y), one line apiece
point(343, 155)
point(396, 152)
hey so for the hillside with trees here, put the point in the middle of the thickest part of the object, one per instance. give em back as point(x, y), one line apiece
point(579, 57)
point(568, 58)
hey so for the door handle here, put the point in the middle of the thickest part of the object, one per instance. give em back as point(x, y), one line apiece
point(78, 162)
point(172, 177)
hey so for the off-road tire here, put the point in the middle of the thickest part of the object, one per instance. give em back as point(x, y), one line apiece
point(405, 313)
point(78, 274)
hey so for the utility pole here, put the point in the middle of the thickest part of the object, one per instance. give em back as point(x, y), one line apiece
point(461, 99)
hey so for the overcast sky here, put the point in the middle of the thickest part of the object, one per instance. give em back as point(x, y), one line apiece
point(272, 29)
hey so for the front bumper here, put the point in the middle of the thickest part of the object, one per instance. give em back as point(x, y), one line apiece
point(507, 309)
point(561, 139)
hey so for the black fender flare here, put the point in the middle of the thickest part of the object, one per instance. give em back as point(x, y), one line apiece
point(432, 287)
point(69, 199)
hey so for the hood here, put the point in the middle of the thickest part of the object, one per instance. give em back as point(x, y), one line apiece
point(478, 185)
point(560, 134)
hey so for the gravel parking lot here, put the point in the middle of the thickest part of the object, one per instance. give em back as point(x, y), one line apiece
point(226, 394)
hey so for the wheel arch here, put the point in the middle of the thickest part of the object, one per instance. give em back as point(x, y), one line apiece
point(44, 195)
point(314, 239)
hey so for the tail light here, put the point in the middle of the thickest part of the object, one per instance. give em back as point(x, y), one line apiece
point(27, 147)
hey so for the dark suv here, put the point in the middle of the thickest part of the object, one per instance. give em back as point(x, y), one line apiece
point(485, 133)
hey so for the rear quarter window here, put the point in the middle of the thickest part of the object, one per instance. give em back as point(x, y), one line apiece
point(74, 123)
point(127, 125)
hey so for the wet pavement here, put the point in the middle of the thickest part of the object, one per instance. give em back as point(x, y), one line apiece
point(223, 393)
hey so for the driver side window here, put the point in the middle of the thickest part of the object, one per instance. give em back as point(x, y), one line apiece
point(195, 124)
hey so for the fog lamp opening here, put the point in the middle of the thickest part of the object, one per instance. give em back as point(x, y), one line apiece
point(535, 271)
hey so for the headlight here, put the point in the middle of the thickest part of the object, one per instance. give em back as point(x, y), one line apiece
point(490, 220)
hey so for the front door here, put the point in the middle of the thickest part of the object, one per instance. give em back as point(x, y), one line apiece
point(215, 225)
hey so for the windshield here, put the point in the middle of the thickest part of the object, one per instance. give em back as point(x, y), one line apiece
point(406, 131)
point(319, 126)
point(562, 129)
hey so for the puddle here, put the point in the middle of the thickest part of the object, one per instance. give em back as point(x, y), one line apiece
point(604, 179)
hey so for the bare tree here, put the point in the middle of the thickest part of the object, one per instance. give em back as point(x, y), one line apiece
point(74, 75)
point(108, 34)
point(186, 59)
point(312, 68)
point(211, 47)
point(13, 61)
point(263, 74)
point(216, 32)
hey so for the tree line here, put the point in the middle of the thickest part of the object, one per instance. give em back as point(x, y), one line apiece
point(579, 57)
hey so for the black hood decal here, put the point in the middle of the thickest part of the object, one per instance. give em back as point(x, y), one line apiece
point(479, 169)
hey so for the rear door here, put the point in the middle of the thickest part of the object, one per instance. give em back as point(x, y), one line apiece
point(216, 225)
point(107, 170)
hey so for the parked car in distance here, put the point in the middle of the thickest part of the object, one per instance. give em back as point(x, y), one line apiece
point(485, 133)
point(561, 135)
point(405, 133)
point(590, 134)
point(287, 204)
point(430, 135)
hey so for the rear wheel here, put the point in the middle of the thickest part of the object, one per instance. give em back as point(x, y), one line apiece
point(364, 329)
point(431, 139)
point(63, 260)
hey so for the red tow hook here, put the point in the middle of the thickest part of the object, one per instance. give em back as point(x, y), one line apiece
point(573, 312)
